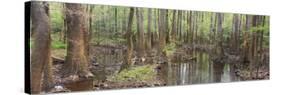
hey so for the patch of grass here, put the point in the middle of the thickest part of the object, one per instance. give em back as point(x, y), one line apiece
point(58, 45)
point(169, 49)
point(136, 74)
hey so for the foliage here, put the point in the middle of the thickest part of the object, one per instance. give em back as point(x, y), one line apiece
point(56, 16)
point(260, 28)
point(136, 74)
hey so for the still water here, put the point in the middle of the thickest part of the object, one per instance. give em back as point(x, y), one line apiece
point(201, 70)
point(198, 71)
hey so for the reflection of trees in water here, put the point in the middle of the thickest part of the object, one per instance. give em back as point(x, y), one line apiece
point(217, 71)
point(202, 70)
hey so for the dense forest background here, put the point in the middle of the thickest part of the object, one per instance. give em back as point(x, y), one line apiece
point(73, 42)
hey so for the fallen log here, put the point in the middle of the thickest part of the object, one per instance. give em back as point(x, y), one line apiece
point(57, 60)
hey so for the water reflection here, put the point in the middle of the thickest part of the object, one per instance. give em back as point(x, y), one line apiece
point(202, 70)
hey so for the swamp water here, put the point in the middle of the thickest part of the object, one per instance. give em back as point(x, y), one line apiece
point(199, 71)
point(202, 70)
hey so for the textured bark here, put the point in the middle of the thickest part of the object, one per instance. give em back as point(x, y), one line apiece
point(41, 51)
point(76, 59)
point(48, 72)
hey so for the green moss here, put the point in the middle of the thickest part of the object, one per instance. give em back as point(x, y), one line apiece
point(136, 74)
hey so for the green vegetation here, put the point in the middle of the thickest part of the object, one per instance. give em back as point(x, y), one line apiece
point(58, 45)
point(169, 49)
point(135, 74)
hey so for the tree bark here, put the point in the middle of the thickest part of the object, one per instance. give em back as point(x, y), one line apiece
point(76, 59)
point(41, 51)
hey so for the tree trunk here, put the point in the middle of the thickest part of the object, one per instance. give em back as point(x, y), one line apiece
point(115, 20)
point(174, 25)
point(148, 41)
point(64, 29)
point(191, 27)
point(220, 31)
point(129, 52)
point(76, 59)
point(162, 34)
point(41, 51)
point(141, 40)
point(48, 72)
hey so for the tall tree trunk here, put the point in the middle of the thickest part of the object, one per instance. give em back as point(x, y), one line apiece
point(253, 49)
point(212, 30)
point(220, 31)
point(174, 25)
point(154, 34)
point(64, 30)
point(130, 47)
point(246, 46)
point(191, 27)
point(76, 59)
point(148, 41)
point(162, 34)
point(48, 72)
point(179, 28)
point(167, 34)
point(115, 20)
point(41, 51)
point(141, 40)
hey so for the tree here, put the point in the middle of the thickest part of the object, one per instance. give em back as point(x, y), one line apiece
point(76, 58)
point(115, 20)
point(64, 28)
point(235, 32)
point(179, 24)
point(174, 25)
point(40, 59)
point(141, 40)
point(220, 32)
point(162, 29)
point(128, 56)
point(149, 17)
